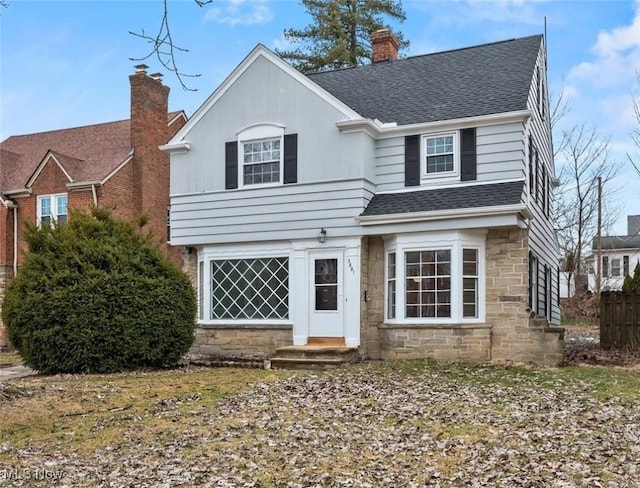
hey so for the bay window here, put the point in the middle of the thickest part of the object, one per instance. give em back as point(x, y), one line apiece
point(435, 279)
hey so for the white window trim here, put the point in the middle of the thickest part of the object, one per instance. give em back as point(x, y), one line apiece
point(456, 242)
point(207, 255)
point(257, 133)
point(54, 206)
point(448, 175)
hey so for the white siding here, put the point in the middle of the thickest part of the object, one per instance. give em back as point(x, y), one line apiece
point(500, 156)
point(285, 212)
point(542, 237)
point(265, 93)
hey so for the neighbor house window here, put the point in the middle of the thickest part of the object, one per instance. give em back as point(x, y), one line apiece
point(442, 284)
point(440, 154)
point(250, 288)
point(52, 208)
point(625, 265)
point(261, 161)
point(615, 267)
point(605, 266)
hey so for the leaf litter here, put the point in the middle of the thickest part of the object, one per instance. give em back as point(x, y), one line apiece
point(404, 424)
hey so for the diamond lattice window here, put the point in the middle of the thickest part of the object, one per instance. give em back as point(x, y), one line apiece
point(250, 289)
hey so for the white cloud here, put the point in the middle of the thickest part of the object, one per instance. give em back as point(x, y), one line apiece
point(281, 43)
point(240, 12)
point(617, 55)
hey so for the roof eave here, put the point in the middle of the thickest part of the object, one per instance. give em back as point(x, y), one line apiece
point(519, 209)
point(83, 185)
point(18, 192)
point(381, 130)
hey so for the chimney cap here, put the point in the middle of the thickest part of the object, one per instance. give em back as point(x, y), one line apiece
point(141, 68)
point(156, 76)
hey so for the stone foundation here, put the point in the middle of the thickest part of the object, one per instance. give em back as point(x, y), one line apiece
point(256, 342)
point(468, 342)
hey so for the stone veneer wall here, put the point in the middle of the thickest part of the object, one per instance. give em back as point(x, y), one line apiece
point(516, 337)
point(371, 307)
point(508, 334)
point(233, 341)
point(6, 274)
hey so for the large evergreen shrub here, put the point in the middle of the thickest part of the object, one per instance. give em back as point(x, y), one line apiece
point(95, 295)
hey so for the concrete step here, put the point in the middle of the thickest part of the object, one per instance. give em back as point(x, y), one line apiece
point(318, 352)
point(313, 357)
point(307, 363)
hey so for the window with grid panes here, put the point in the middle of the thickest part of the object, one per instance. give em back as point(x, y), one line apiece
point(250, 288)
point(428, 283)
point(261, 161)
point(52, 208)
point(440, 154)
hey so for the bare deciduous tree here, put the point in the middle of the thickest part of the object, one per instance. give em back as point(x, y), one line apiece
point(635, 133)
point(583, 158)
point(163, 47)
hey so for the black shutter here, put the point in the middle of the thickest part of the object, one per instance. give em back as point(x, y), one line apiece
point(468, 162)
point(412, 161)
point(290, 158)
point(231, 165)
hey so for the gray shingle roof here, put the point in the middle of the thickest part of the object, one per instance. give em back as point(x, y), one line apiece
point(479, 80)
point(471, 196)
point(617, 242)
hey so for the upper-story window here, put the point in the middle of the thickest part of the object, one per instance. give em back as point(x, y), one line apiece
point(52, 208)
point(261, 155)
point(440, 155)
point(261, 161)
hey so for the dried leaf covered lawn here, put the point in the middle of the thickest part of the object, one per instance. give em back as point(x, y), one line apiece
point(399, 424)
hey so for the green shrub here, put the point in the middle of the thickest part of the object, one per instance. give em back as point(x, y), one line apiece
point(95, 295)
point(632, 283)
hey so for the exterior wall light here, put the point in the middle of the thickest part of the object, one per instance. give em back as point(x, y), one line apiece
point(322, 236)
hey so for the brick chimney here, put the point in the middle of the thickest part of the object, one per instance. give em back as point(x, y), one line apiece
point(385, 45)
point(150, 166)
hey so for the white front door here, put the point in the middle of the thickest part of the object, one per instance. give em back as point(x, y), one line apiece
point(326, 300)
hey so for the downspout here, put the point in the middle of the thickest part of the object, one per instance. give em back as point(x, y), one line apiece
point(95, 195)
point(15, 239)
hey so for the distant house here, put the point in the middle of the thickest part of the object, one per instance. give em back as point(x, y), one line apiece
point(401, 209)
point(114, 164)
point(620, 255)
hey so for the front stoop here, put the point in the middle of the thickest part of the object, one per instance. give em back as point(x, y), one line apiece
point(315, 357)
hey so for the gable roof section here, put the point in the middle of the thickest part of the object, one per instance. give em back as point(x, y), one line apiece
point(474, 81)
point(88, 153)
point(443, 199)
point(257, 52)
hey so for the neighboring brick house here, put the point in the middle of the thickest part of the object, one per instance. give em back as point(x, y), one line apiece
point(400, 209)
point(115, 164)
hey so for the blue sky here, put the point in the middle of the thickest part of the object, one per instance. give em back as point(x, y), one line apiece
point(66, 63)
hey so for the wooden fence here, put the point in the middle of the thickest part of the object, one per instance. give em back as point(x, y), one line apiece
point(620, 319)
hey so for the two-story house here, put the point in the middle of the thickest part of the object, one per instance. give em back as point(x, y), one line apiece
point(114, 164)
point(400, 208)
point(620, 255)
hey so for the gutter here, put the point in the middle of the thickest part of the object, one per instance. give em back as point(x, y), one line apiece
point(377, 129)
point(520, 208)
point(85, 185)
